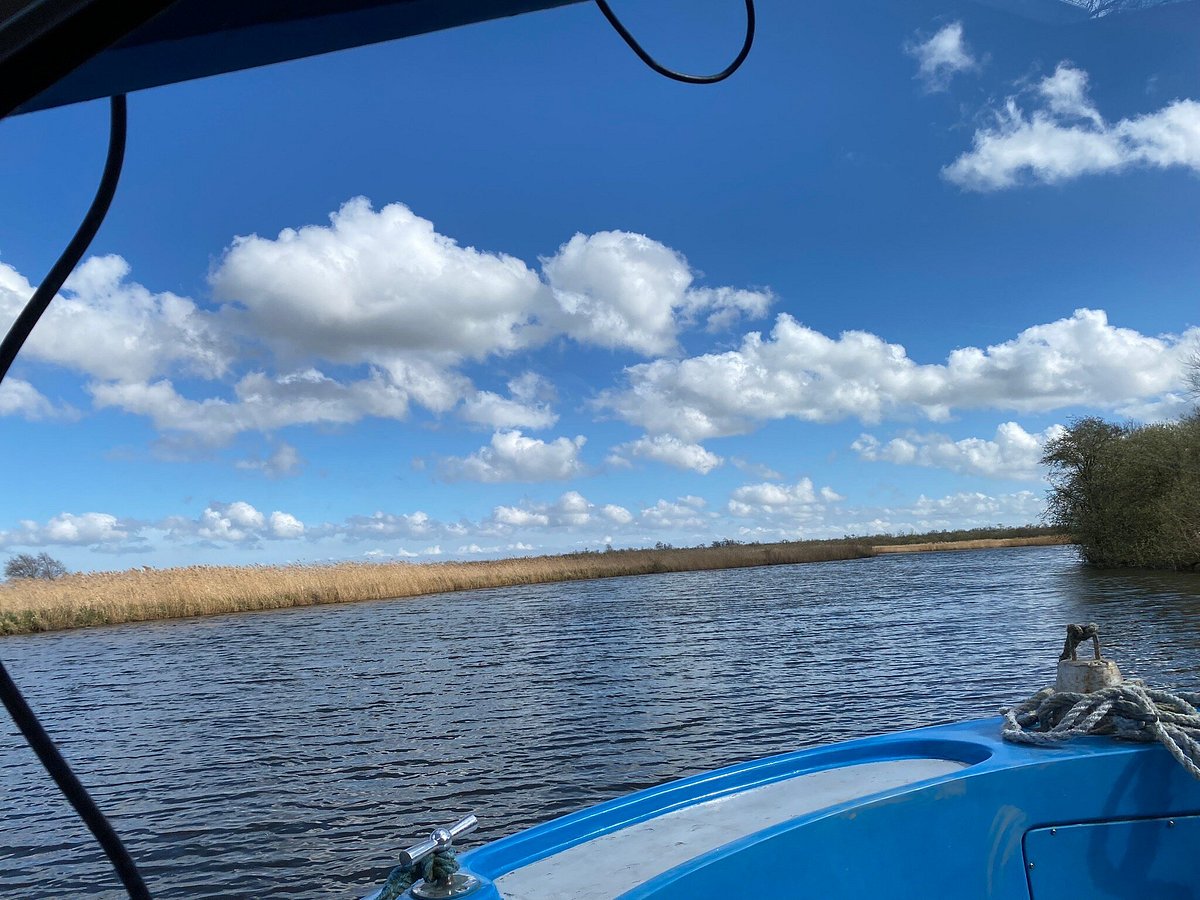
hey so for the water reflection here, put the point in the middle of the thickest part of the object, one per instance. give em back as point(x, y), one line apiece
point(295, 752)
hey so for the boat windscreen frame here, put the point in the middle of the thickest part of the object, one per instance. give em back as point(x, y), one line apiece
point(57, 52)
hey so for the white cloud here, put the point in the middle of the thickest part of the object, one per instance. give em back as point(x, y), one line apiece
point(476, 550)
point(71, 529)
point(520, 518)
point(528, 406)
point(684, 513)
point(952, 512)
point(235, 521)
point(725, 306)
point(512, 456)
point(1067, 138)
point(284, 460)
point(232, 523)
point(380, 292)
point(616, 514)
point(1066, 94)
point(941, 57)
point(570, 510)
point(670, 450)
point(758, 470)
point(799, 512)
point(20, 398)
point(260, 403)
point(371, 285)
point(771, 502)
point(1013, 453)
point(978, 509)
point(285, 525)
point(417, 525)
point(800, 373)
point(621, 290)
point(110, 328)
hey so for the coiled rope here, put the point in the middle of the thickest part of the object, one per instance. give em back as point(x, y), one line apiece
point(1131, 711)
point(437, 867)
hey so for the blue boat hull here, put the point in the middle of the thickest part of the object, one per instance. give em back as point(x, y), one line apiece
point(1097, 818)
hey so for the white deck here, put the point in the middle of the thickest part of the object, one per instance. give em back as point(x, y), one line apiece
point(608, 866)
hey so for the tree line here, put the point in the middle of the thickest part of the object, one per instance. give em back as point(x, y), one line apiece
point(1130, 494)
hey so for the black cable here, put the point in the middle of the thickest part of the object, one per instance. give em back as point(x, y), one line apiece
point(671, 73)
point(66, 263)
point(24, 717)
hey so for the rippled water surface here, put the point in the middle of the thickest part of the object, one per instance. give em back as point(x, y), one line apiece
point(293, 753)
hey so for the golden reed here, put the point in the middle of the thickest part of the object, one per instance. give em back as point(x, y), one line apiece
point(138, 595)
point(1048, 540)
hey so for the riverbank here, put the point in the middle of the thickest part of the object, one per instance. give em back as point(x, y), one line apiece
point(1049, 540)
point(140, 595)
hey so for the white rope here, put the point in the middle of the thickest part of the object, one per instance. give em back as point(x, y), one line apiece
point(1130, 710)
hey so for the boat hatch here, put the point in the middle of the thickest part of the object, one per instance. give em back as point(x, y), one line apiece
point(1120, 858)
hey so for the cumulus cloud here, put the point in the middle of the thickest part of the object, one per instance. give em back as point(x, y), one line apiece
point(687, 512)
point(20, 398)
point(374, 284)
point(618, 515)
point(670, 450)
point(260, 403)
point(942, 56)
point(368, 316)
point(1013, 453)
point(520, 518)
point(71, 529)
point(376, 289)
point(617, 289)
point(800, 373)
point(570, 510)
point(108, 327)
point(978, 508)
point(284, 460)
point(769, 501)
point(285, 525)
point(512, 456)
point(416, 525)
point(476, 550)
point(1066, 137)
point(953, 511)
point(232, 523)
point(527, 406)
point(801, 512)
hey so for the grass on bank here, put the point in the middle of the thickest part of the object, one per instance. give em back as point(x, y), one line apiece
point(108, 598)
point(1046, 540)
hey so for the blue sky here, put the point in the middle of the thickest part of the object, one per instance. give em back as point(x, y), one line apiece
point(502, 290)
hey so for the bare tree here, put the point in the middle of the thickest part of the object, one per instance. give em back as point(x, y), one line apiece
point(26, 565)
point(1191, 374)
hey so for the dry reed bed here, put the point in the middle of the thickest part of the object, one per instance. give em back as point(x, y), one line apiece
point(1045, 540)
point(108, 598)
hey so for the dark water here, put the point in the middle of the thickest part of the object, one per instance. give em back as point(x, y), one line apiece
point(292, 754)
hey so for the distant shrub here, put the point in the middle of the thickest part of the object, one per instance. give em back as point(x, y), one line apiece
point(26, 565)
point(1130, 494)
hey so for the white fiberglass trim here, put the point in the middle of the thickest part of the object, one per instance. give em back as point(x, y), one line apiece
point(608, 866)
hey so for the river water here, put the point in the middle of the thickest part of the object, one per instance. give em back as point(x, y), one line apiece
point(293, 753)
